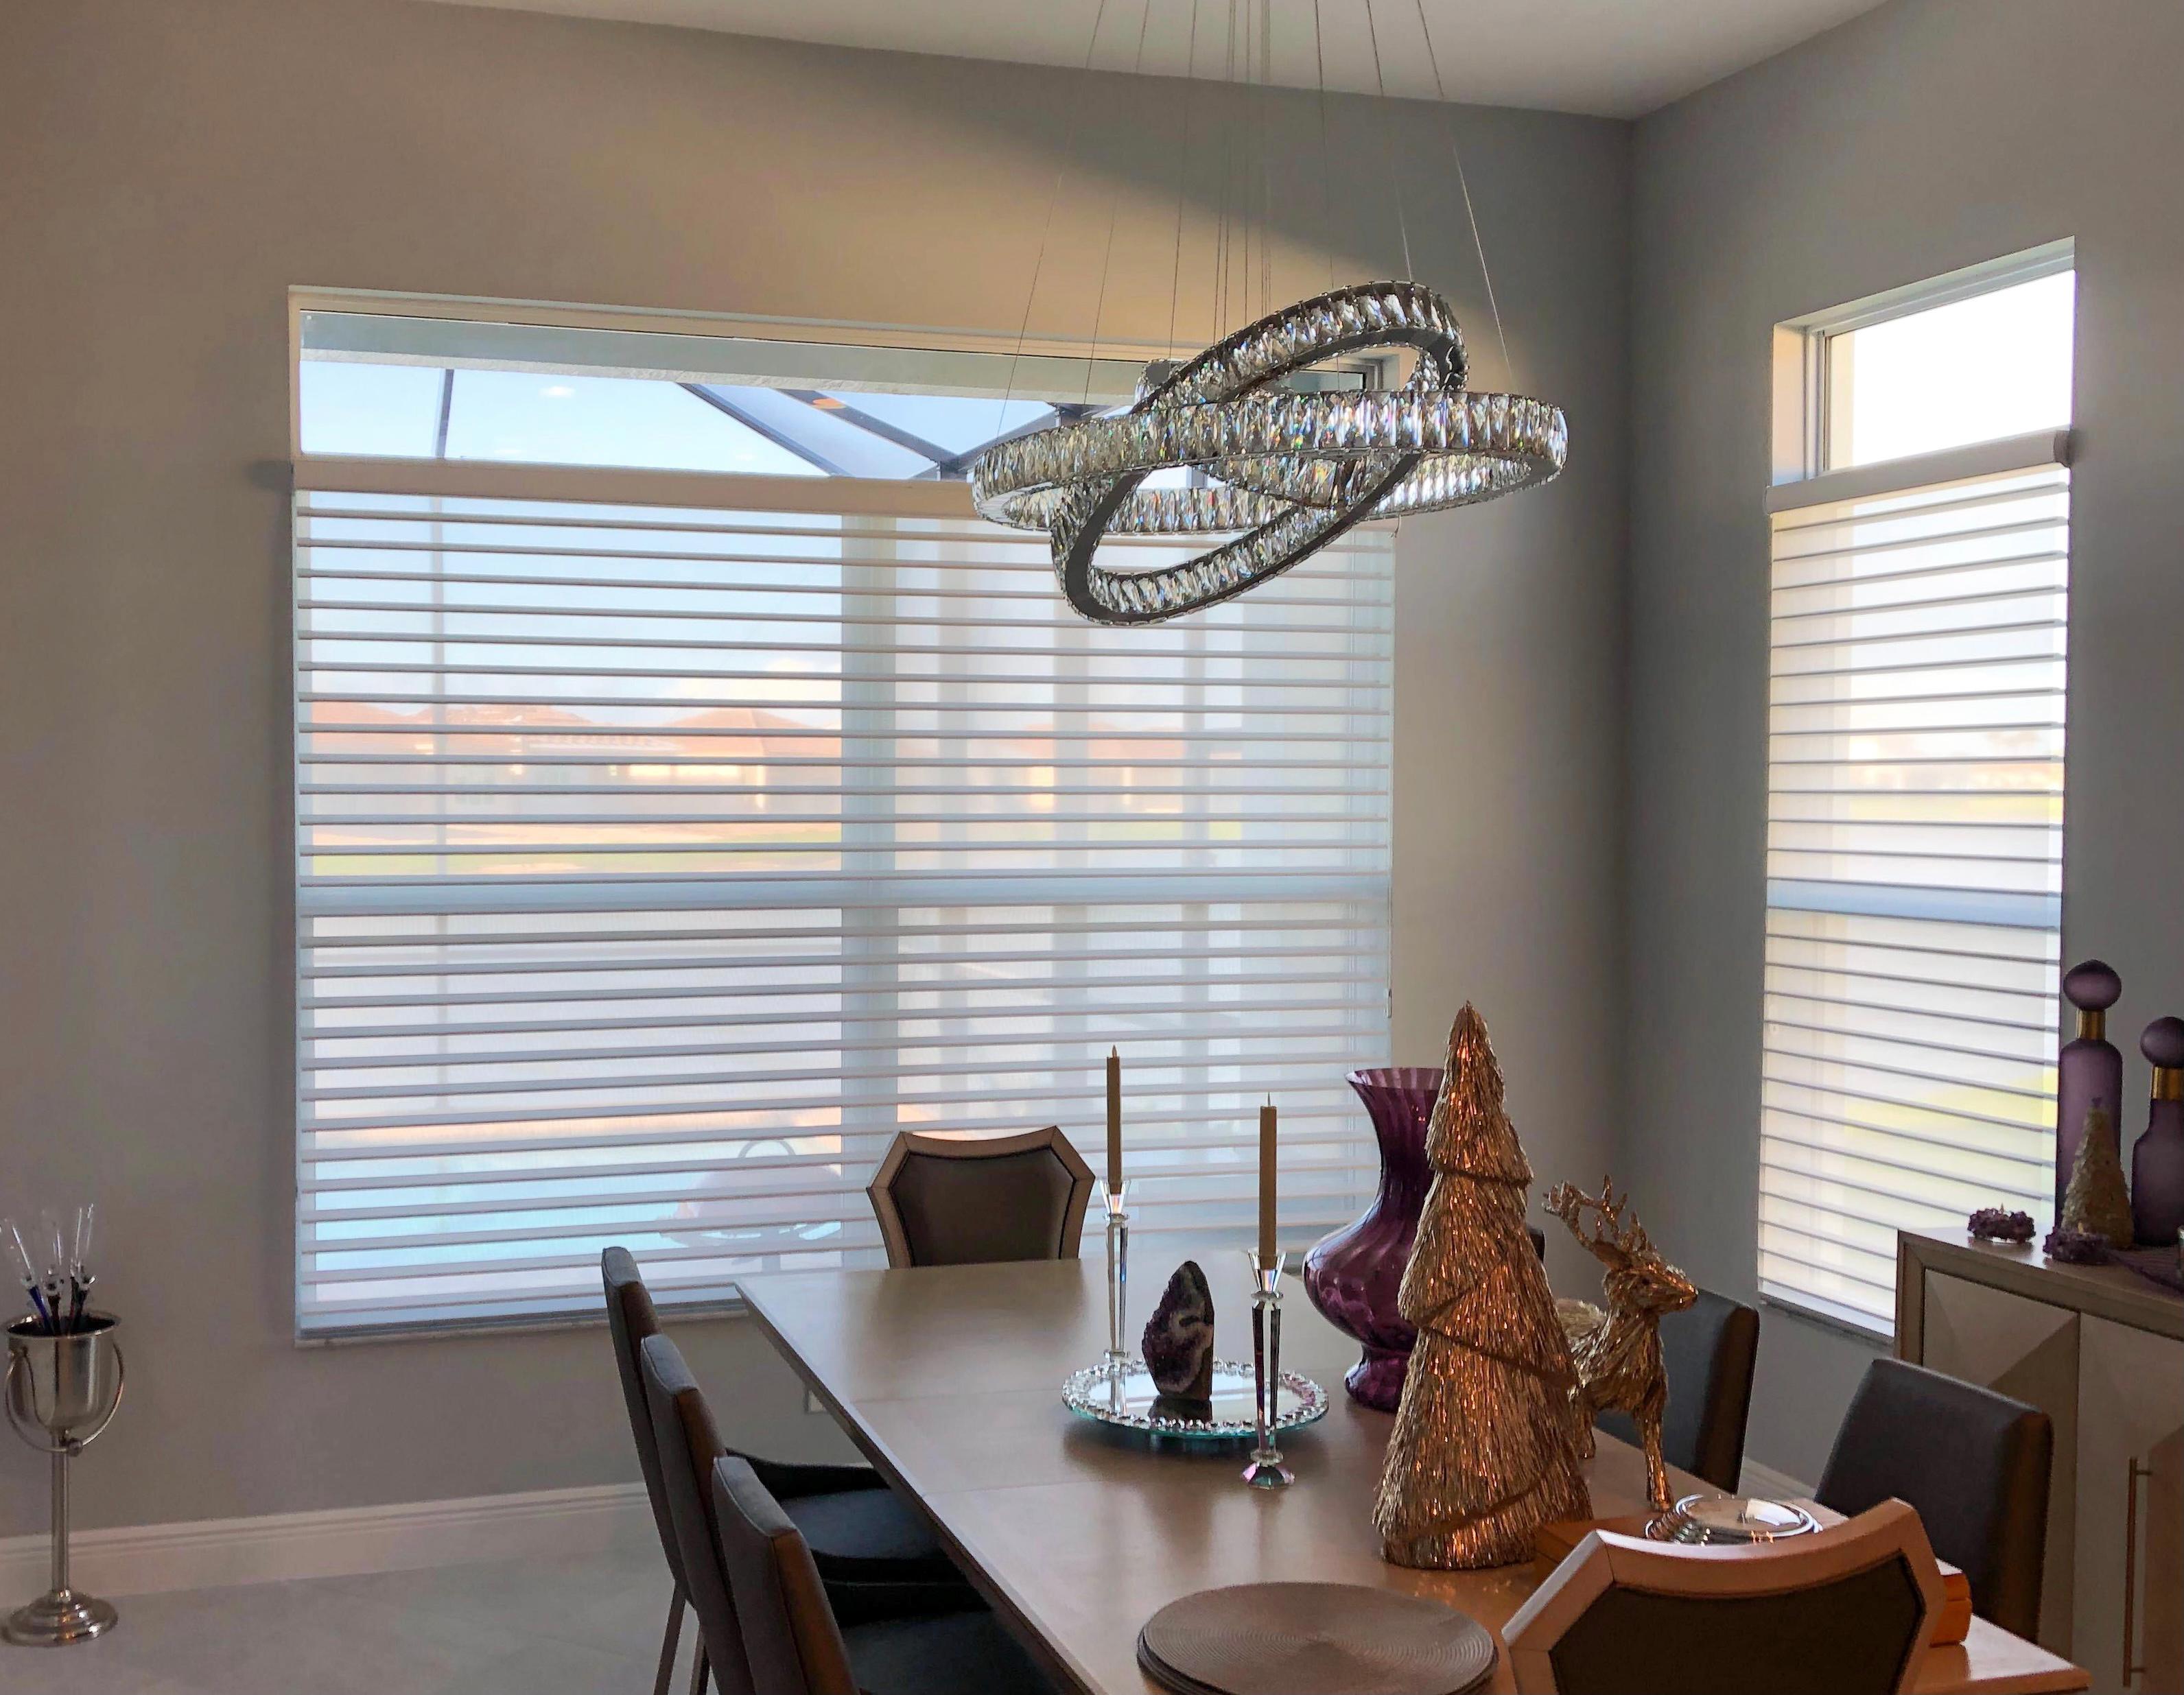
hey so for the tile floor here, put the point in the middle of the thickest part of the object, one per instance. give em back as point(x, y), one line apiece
point(579, 1626)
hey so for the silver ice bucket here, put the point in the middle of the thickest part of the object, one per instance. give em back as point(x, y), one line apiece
point(64, 1383)
point(62, 1391)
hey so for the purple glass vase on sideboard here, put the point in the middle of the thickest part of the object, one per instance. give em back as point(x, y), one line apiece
point(2157, 1166)
point(2089, 1068)
point(1354, 1275)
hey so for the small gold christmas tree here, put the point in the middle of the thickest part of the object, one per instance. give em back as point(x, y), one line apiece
point(1489, 1441)
point(2098, 1202)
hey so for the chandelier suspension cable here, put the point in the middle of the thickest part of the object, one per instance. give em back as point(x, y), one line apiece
point(1114, 197)
point(1266, 160)
point(1456, 154)
point(1254, 142)
point(1247, 199)
point(1240, 153)
point(1223, 237)
point(1266, 157)
point(1046, 230)
point(1219, 233)
point(1388, 141)
point(1326, 161)
point(1183, 180)
point(1236, 200)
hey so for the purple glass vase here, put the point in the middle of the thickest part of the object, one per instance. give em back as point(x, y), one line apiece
point(1354, 1275)
point(2089, 1068)
point(2157, 1166)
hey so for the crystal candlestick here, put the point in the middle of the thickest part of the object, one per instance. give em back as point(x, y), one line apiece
point(1119, 1273)
point(1266, 1470)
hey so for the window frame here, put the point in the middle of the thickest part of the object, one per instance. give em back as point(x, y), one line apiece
point(636, 487)
point(1801, 477)
point(1801, 426)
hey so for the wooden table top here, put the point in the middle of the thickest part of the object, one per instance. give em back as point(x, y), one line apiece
point(948, 1379)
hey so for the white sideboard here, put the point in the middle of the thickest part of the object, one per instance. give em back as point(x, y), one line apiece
point(2101, 1351)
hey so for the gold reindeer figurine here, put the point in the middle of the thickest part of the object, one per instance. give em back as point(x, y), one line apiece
point(1618, 1360)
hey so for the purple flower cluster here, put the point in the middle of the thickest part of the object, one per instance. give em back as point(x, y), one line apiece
point(1993, 1223)
point(2075, 1246)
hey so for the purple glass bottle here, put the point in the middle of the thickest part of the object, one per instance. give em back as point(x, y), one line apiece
point(2089, 1068)
point(2157, 1164)
point(1354, 1275)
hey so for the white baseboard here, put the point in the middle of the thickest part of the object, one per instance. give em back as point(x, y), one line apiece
point(1770, 1485)
point(145, 1560)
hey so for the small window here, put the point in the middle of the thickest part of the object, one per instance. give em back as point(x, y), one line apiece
point(1973, 369)
point(390, 386)
point(1917, 680)
point(386, 386)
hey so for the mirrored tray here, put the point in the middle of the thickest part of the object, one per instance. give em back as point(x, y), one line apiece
point(1122, 1395)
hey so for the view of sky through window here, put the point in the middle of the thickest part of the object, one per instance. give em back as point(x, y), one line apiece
point(382, 409)
point(1995, 365)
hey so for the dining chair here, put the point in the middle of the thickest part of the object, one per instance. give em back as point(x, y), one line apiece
point(1709, 1348)
point(952, 1199)
point(872, 1546)
point(1850, 1610)
point(687, 1443)
point(1974, 1463)
point(630, 1319)
point(794, 1645)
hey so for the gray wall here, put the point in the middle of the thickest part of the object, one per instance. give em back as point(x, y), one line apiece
point(1923, 136)
point(172, 170)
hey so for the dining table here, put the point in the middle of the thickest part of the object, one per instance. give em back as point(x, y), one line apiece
point(948, 1379)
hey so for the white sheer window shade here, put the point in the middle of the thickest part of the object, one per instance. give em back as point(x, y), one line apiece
point(660, 855)
point(1915, 845)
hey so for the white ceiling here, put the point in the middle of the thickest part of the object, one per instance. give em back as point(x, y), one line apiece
point(1613, 57)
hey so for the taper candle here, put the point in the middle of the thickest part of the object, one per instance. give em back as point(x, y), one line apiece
point(1267, 1182)
point(1114, 1121)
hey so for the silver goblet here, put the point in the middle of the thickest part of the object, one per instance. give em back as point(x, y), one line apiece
point(62, 1391)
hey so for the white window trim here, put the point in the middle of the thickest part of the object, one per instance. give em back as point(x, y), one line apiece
point(612, 487)
point(1800, 424)
point(1924, 470)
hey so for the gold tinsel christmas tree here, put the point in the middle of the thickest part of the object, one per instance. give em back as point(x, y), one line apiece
point(2097, 1200)
point(1488, 1442)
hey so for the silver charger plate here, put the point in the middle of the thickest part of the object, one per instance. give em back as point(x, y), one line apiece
point(1122, 1396)
point(1717, 1520)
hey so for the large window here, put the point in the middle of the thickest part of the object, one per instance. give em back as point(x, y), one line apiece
point(1914, 833)
point(668, 841)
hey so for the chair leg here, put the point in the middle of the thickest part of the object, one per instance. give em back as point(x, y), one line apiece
point(700, 1666)
point(668, 1643)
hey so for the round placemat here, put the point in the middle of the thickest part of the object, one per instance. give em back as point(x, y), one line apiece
point(1313, 1639)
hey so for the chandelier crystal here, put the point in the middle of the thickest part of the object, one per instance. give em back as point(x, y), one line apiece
point(1291, 470)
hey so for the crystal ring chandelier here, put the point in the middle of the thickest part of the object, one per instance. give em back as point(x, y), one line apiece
point(1274, 468)
point(1291, 470)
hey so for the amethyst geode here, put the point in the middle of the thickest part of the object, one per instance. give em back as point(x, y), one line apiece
point(1995, 1223)
point(2075, 1246)
point(1179, 1340)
